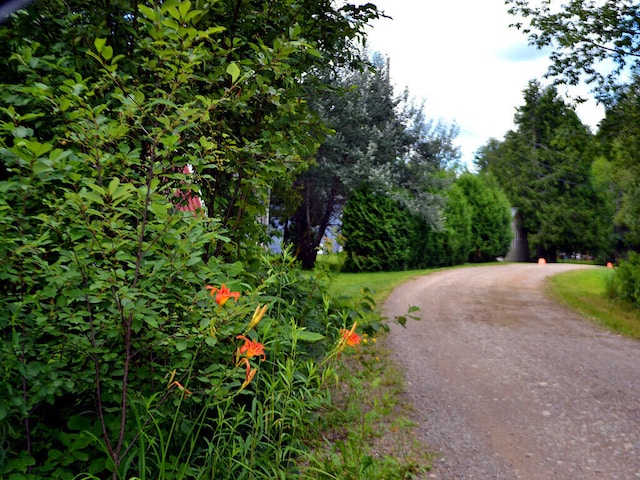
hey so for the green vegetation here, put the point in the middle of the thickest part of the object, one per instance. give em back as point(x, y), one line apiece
point(379, 284)
point(367, 433)
point(145, 332)
point(381, 234)
point(588, 293)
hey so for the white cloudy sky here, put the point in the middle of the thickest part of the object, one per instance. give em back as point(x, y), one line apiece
point(463, 60)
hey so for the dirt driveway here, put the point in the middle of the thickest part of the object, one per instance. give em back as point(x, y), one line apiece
point(508, 385)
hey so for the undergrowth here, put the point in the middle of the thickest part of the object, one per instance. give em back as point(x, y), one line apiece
point(367, 432)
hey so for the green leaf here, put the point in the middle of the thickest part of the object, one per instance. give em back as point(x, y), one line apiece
point(107, 53)
point(159, 210)
point(234, 71)
point(93, 197)
point(113, 185)
point(150, 13)
point(184, 8)
point(22, 132)
point(99, 43)
point(306, 336)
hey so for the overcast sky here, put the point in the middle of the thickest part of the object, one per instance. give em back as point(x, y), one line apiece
point(463, 60)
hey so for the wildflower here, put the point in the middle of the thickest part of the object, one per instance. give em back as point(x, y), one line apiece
point(247, 351)
point(222, 294)
point(185, 391)
point(257, 316)
point(251, 372)
point(251, 349)
point(350, 337)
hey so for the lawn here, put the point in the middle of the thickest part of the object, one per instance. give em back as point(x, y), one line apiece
point(586, 292)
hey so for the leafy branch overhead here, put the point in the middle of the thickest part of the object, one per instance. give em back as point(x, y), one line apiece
point(593, 41)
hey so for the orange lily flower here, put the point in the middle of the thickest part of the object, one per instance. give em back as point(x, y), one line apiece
point(251, 372)
point(251, 349)
point(222, 294)
point(350, 337)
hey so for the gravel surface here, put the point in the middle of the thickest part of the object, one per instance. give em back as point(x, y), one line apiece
point(508, 385)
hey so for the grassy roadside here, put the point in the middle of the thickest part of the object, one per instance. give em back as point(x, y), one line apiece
point(368, 434)
point(586, 292)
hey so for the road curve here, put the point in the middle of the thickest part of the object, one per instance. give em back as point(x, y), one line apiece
point(506, 384)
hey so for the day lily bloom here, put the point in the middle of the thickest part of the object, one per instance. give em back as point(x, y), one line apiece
point(222, 294)
point(350, 337)
point(251, 349)
point(257, 316)
point(251, 372)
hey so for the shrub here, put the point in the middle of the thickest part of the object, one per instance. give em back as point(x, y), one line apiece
point(491, 218)
point(377, 233)
point(626, 281)
point(116, 361)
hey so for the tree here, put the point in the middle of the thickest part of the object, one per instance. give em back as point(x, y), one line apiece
point(375, 138)
point(490, 217)
point(250, 84)
point(619, 166)
point(358, 108)
point(597, 42)
point(586, 38)
point(544, 166)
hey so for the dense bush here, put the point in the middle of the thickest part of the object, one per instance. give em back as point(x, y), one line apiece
point(116, 359)
point(382, 235)
point(626, 281)
point(446, 246)
point(377, 233)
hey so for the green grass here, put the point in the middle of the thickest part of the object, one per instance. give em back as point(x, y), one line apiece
point(381, 284)
point(586, 292)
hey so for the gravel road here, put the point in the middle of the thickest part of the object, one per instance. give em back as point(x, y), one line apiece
point(507, 385)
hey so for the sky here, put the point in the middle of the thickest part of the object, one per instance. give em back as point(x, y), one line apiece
point(466, 63)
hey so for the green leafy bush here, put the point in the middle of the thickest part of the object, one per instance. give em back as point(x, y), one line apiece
point(382, 235)
point(377, 232)
point(626, 280)
point(117, 361)
point(491, 217)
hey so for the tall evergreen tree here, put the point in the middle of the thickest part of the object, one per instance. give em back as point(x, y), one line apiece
point(544, 166)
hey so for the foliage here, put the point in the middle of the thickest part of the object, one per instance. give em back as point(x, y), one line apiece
point(618, 139)
point(626, 282)
point(234, 86)
point(447, 244)
point(366, 434)
point(382, 234)
point(544, 167)
point(374, 138)
point(490, 217)
point(377, 232)
point(116, 360)
point(596, 41)
point(588, 292)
